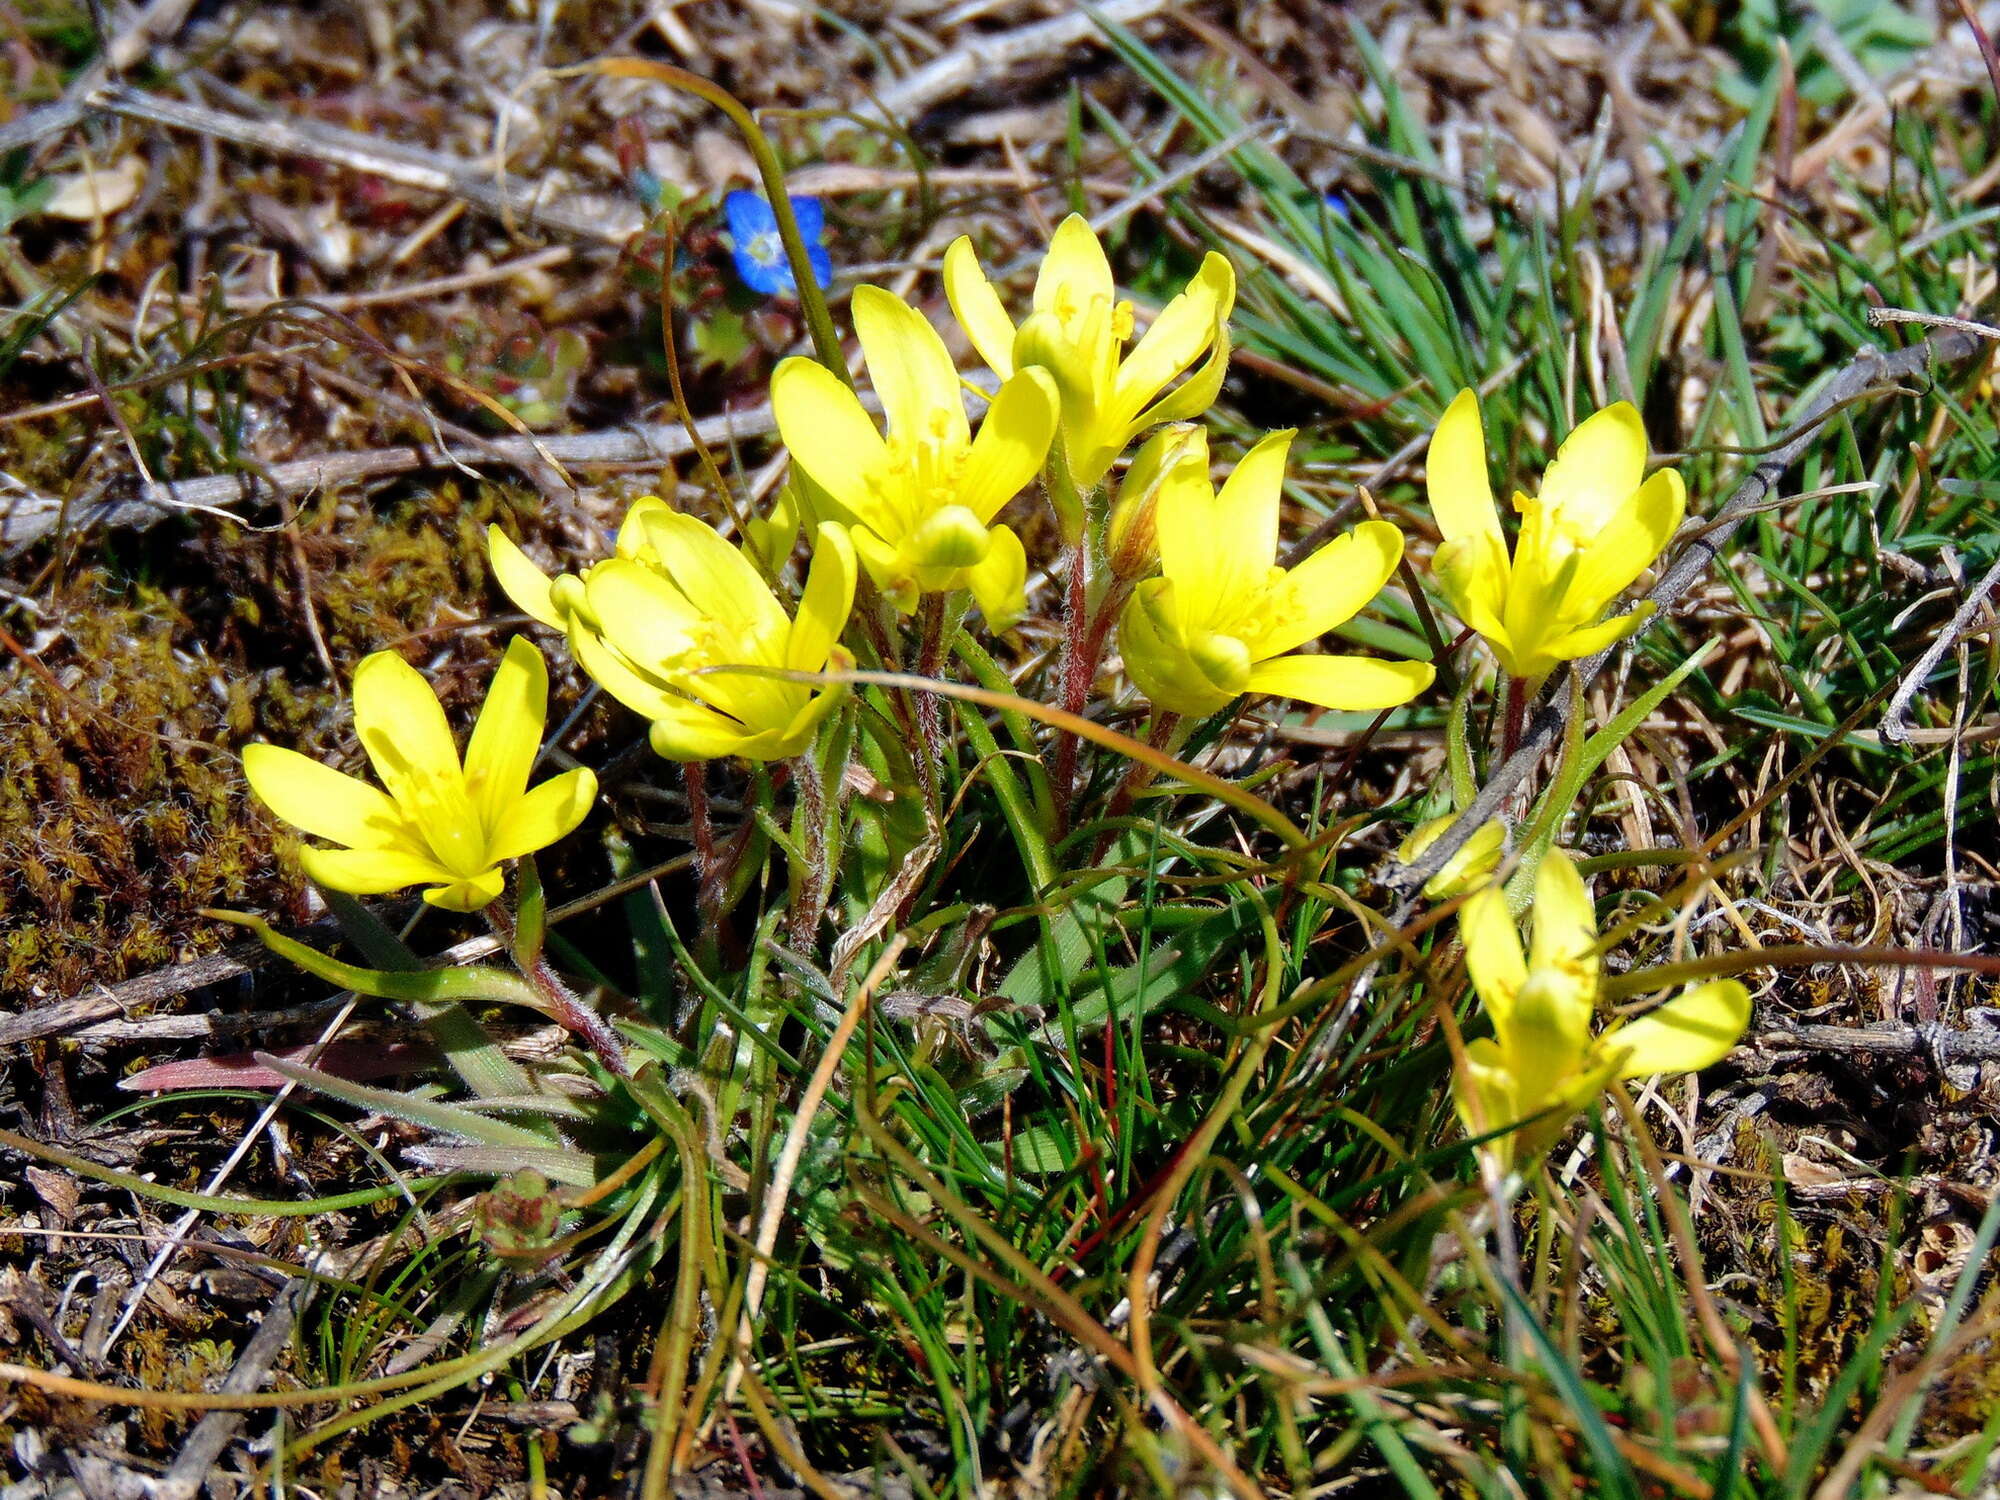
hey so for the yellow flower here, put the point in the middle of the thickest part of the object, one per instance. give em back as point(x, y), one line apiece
point(439, 821)
point(1542, 1060)
point(652, 624)
point(1477, 858)
point(923, 500)
point(1222, 618)
point(1077, 331)
point(1593, 529)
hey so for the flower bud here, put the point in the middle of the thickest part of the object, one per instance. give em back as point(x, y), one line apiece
point(1132, 539)
point(1466, 871)
point(771, 538)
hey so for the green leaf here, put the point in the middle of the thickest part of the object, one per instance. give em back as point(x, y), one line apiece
point(432, 1114)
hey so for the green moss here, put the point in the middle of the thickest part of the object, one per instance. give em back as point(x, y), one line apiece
point(122, 805)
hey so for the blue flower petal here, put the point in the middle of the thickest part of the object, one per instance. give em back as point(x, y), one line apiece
point(748, 215)
point(760, 253)
point(811, 214)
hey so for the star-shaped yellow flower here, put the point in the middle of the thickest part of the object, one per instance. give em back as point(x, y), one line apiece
point(654, 625)
point(440, 822)
point(1542, 1063)
point(1222, 619)
point(923, 497)
point(1077, 331)
point(1597, 524)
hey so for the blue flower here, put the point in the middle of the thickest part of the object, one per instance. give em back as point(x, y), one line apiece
point(760, 254)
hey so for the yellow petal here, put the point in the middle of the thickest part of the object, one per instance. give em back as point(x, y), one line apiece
point(472, 893)
point(770, 538)
point(1483, 1092)
point(1472, 867)
point(1547, 1035)
point(1590, 639)
point(635, 531)
point(370, 872)
point(1565, 924)
point(1187, 325)
point(1223, 660)
point(519, 579)
point(1074, 271)
point(692, 731)
point(796, 736)
point(828, 433)
point(886, 568)
point(977, 307)
point(321, 801)
point(1493, 958)
point(651, 622)
point(1629, 542)
point(910, 369)
point(1044, 343)
point(1327, 589)
point(1597, 466)
point(1473, 574)
point(1683, 1036)
point(1243, 544)
point(1190, 399)
point(1156, 655)
point(1218, 547)
point(401, 722)
point(999, 580)
point(722, 584)
point(1012, 443)
point(950, 538)
point(1461, 495)
point(547, 813)
point(827, 601)
point(1349, 682)
point(508, 735)
point(402, 727)
point(1185, 520)
point(611, 670)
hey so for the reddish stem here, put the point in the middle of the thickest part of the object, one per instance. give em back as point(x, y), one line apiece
point(930, 710)
point(1083, 640)
point(578, 1019)
point(1514, 721)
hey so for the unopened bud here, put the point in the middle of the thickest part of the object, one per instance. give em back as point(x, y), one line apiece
point(773, 537)
point(1131, 541)
point(1466, 871)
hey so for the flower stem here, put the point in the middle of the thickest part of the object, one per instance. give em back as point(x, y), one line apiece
point(1082, 640)
point(1514, 719)
point(707, 867)
point(817, 881)
point(930, 711)
point(578, 1019)
point(819, 322)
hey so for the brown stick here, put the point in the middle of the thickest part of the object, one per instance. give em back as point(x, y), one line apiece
point(27, 519)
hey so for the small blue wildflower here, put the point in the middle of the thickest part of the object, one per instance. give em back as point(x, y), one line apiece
point(760, 253)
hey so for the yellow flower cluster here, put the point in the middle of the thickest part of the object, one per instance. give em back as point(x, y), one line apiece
point(683, 626)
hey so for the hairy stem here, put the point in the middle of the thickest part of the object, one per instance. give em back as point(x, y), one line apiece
point(817, 878)
point(569, 1011)
point(1078, 668)
point(930, 713)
